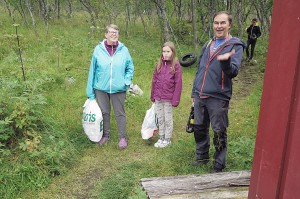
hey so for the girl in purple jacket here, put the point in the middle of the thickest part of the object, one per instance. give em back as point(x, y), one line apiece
point(166, 92)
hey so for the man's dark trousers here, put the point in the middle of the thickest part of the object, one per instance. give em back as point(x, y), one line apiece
point(252, 43)
point(214, 111)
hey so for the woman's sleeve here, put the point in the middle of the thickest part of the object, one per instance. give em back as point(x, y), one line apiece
point(129, 70)
point(90, 82)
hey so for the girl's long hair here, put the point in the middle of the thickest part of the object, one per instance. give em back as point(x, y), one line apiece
point(174, 58)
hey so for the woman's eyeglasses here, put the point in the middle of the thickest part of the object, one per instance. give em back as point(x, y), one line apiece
point(113, 32)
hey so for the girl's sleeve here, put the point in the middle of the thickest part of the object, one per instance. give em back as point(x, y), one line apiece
point(178, 86)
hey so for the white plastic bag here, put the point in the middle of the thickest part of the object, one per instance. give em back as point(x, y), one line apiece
point(134, 89)
point(149, 126)
point(92, 120)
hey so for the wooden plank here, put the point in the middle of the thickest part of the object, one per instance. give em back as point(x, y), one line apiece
point(208, 186)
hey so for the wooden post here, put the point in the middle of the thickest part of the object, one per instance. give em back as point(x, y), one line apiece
point(276, 166)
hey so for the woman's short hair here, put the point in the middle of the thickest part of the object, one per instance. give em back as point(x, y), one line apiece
point(113, 26)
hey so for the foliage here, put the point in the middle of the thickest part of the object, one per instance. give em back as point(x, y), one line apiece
point(46, 111)
point(28, 137)
point(20, 116)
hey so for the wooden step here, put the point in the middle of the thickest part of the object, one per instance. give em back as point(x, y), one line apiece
point(205, 186)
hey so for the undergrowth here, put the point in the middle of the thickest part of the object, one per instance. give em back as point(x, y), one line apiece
point(42, 144)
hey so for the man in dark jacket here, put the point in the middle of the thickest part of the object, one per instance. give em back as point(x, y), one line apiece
point(219, 62)
point(253, 33)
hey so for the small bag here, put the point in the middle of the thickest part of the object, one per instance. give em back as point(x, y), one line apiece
point(150, 124)
point(190, 123)
point(92, 120)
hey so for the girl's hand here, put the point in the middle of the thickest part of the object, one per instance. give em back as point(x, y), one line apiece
point(225, 56)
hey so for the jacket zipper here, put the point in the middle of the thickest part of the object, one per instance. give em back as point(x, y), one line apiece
point(111, 61)
point(206, 69)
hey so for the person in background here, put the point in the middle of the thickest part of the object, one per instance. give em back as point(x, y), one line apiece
point(219, 62)
point(110, 75)
point(166, 92)
point(253, 33)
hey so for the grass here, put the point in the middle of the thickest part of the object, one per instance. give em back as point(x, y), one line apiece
point(80, 168)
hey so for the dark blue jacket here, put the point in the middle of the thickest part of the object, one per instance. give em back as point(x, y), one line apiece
point(213, 77)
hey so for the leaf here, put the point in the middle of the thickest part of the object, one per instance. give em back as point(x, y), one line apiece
point(23, 146)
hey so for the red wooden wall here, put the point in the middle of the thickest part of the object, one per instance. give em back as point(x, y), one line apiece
point(276, 166)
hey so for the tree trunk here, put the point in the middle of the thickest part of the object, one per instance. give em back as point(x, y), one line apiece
point(165, 21)
point(69, 8)
point(31, 15)
point(239, 18)
point(144, 24)
point(127, 17)
point(265, 14)
point(19, 7)
point(161, 11)
point(194, 25)
point(259, 15)
point(8, 9)
point(107, 10)
point(58, 9)
point(212, 11)
point(44, 7)
point(89, 8)
point(177, 7)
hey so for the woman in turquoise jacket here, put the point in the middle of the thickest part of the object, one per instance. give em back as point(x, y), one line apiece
point(110, 75)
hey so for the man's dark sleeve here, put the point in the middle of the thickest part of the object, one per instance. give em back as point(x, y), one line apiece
point(258, 34)
point(248, 30)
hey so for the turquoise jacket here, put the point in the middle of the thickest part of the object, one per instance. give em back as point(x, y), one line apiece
point(110, 74)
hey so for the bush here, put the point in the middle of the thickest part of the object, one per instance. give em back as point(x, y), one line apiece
point(32, 149)
point(20, 118)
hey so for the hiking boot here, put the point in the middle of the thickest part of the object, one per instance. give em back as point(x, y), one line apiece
point(164, 144)
point(158, 143)
point(216, 170)
point(123, 143)
point(103, 140)
point(199, 162)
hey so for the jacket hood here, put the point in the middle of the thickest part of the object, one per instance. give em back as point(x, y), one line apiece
point(235, 40)
point(102, 44)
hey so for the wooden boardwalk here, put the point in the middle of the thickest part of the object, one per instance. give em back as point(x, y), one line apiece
point(229, 185)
